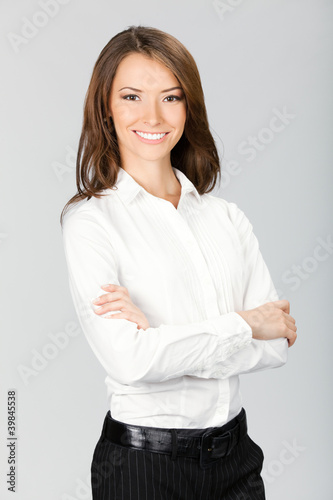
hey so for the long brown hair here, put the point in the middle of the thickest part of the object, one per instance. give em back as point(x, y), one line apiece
point(98, 157)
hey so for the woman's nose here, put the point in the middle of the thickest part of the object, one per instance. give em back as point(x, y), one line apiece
point(152, 115)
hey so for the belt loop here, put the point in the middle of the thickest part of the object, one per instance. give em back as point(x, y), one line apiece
point(174, 442)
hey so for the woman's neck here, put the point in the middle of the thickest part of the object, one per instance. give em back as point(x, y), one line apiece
point(159, 181)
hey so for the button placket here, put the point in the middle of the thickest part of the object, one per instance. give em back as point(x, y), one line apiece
point(193, 250)
point(222, 406)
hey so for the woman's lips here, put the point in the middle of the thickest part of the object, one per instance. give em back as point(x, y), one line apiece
point(149, 137)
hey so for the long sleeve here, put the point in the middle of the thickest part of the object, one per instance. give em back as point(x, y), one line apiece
point(258, 288)
point(128, 354)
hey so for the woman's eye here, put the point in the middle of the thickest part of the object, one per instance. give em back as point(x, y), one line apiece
point(130, 97)
point(172, 98)
point(134, 97)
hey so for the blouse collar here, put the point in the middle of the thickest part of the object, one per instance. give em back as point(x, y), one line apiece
point(128, 187)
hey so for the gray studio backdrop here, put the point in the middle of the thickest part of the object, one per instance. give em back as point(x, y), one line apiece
point(267, 76)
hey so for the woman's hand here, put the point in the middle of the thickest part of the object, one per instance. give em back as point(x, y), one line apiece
point(271, 321)
point(118, 299)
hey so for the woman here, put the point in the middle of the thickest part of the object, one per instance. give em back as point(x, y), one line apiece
point(168, 282)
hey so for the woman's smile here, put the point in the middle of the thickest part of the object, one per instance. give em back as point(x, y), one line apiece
point(151, 137)
point(147, 102)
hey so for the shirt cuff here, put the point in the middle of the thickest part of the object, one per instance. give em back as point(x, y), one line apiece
point(240, 336)
point(233, 333)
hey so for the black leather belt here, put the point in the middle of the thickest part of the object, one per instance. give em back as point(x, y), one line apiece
point(208, 445)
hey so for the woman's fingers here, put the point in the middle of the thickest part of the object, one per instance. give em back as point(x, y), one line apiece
point(121, 315)
point(287, 328)
point(282, 304)
point(291, 336)
point(108, 297)
point(271, 320)
point(292, 328)
point(290, 319)
point(115, 305)
point(118, 299)
point(290, 322)
point(111, 287)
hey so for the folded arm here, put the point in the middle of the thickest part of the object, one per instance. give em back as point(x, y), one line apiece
point(258, 289)
point(131, 355)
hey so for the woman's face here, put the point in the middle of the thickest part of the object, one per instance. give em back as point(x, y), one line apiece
point(146, 98)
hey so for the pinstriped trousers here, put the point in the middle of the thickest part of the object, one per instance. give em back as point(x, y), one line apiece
point(121, 473)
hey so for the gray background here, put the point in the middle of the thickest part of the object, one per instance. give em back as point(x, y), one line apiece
point(254, 57)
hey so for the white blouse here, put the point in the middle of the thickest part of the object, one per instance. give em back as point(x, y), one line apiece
point(188, 269)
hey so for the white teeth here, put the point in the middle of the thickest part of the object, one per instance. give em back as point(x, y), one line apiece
point(152, 137)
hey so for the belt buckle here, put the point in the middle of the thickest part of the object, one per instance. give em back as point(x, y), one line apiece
point(206, 449)
point(231, 440)
point(210, 454)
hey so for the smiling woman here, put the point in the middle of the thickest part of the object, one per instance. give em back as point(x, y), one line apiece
point(168, 282)
point(141, 90)
point(153, 116)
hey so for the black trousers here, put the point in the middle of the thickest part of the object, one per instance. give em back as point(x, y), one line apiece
point(122, 473)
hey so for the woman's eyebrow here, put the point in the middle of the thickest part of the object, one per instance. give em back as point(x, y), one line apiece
point(137, 90)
